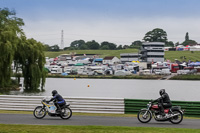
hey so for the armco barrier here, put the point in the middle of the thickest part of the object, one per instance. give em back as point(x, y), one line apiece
point(93, 105)
point(77, 104)
point(192, 108)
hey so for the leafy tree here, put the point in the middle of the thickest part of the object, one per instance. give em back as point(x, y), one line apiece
point(84, 47)
point(108, 45)
point(125, 47)
point(77, 44)
point(10, 32)
point(47, 47)
point(32, 60)
point(136, 44)
point(169, 44)
point(187, 37)
point(66, 48)
point(105, 47)
point(55, 48)
point(112, 46)
point(93, 44)
point(189, 42)
point(177, 43)
point(156, 35)
point(120, 47)
point(15, 47)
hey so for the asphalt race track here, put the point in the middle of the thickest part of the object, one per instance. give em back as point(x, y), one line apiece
point(93, 120)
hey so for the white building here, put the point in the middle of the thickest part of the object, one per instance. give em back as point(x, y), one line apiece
point(111, 60)
point(152, 51)
point(129, 57)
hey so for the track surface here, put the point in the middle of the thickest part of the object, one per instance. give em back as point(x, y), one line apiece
point(93, 120)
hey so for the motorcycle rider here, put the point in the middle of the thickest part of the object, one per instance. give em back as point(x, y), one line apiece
point(163, 101)
point(59, 101)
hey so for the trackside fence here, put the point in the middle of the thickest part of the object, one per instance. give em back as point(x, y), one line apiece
point(192, 108)
point(93, 105)
point(77, 104)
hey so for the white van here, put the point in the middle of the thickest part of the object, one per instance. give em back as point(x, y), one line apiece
point(56, 70)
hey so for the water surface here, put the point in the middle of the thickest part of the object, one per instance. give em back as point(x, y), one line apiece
point(124, 88)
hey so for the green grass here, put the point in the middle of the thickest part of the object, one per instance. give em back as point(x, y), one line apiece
point(11, 128)
point(102, 53)
point(171, 55)
point(186, 77)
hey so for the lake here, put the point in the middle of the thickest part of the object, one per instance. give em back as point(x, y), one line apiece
point(124, 88)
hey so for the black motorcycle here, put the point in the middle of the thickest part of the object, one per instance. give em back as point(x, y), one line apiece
point(174, 114)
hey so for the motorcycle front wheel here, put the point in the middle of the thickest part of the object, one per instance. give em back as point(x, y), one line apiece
point(144, 116)
point(66, 113)
point(178, 117)
point(39, 112)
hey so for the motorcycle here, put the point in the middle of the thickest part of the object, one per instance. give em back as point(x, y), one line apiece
point(50, 108)
point(174, 114)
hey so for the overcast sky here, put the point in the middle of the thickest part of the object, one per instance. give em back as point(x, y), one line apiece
point(116, 21)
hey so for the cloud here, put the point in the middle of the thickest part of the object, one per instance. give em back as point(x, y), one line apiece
point(118, 30)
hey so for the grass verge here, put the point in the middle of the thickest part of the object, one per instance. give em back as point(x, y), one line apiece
point(5, 128)
point(186, 77)
point(170, 55)
point(102, 53)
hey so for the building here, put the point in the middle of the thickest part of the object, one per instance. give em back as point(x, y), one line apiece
point(152, 51)
point(111, 60)
point(129, 57)
point(65, 57)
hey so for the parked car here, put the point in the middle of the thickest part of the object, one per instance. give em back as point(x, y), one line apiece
point(181, 72)
point(56, 70)
point(187, 71)
point(157, 71)
point(122, 73)
point(146, 72)
point(165, 72)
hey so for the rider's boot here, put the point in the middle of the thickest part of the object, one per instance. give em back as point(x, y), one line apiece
point(58, 110)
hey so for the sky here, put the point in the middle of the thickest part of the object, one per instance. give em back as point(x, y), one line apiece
point(118, 21)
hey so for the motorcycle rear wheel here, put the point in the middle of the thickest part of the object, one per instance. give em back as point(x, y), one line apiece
point(39, 112)
point(66, 113)
point(176, 119)
point(144, 118)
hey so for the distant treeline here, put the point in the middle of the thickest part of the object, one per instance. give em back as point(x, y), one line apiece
point(156, 35)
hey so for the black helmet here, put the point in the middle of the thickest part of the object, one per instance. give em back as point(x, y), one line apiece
point(54, 92)
point(162, 91)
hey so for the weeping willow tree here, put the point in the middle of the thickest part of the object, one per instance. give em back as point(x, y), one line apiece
point(10, 32)
point(31, 57)
point(14, 47)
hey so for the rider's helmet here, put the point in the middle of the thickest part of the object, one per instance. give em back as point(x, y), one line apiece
point(54, 92)
point(162, 91)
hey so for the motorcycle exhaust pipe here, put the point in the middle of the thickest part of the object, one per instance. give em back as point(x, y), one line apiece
point(172, 115)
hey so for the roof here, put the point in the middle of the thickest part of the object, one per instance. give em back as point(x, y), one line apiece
point(98, 59)
point(108, 57)
point(79, 64)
